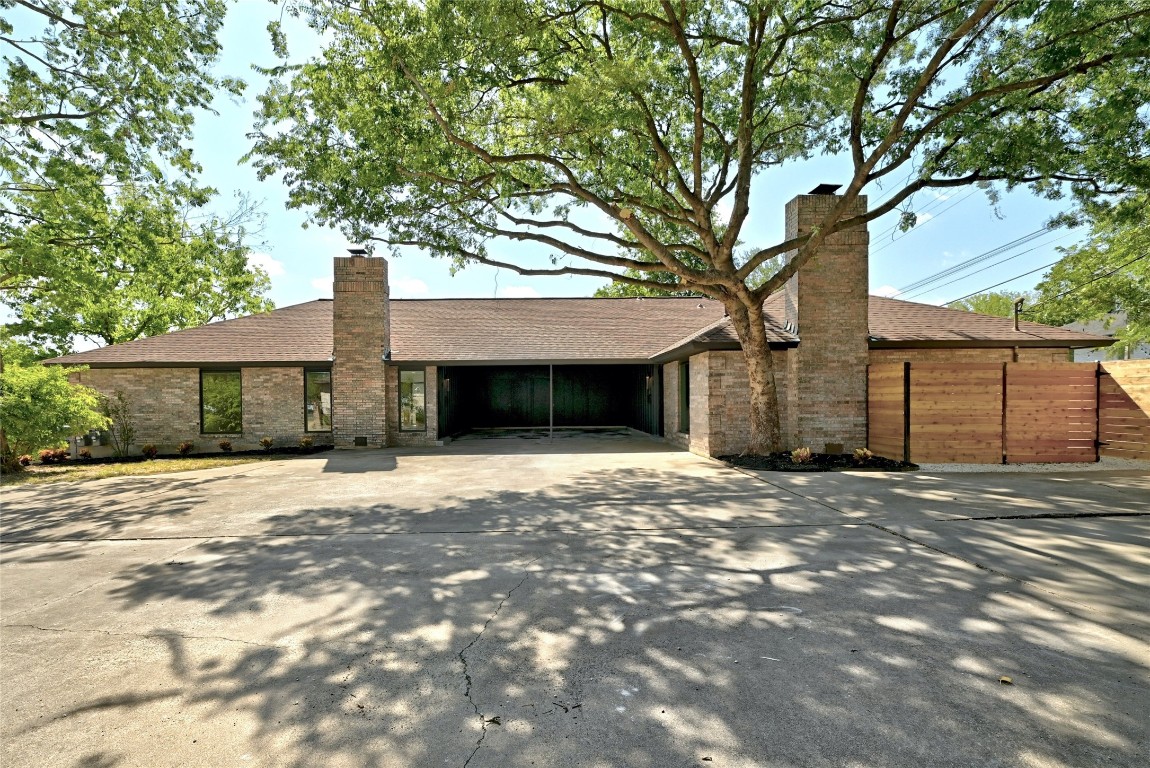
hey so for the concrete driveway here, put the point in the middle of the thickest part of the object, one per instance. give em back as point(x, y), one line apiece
point(593, 602)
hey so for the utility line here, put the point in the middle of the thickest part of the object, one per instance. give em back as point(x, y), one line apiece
point(944, 210)
point(1095, 279)
point(1004, 282)
point(988, 266)
point(996, 251)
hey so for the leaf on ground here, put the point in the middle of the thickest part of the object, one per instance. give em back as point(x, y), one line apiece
point(1006, 680)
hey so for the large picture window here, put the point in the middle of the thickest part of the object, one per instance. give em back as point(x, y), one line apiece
point(221, 402)
point(412, 401)
point(317, 401)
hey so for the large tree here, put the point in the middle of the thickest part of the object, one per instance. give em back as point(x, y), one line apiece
point(151, 265)
point(1109, 272)
point(103, 228)
point(610, 135)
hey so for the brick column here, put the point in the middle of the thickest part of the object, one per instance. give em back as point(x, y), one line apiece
point(827, 305)
point(361, 335)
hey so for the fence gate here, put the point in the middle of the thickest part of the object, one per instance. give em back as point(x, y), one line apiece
point(1124, 409)
point(1051, 412)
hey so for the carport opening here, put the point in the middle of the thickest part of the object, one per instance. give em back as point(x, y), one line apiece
point(541, 397)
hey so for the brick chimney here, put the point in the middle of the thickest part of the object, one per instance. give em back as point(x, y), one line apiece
point(826, 304)
point(361, 335)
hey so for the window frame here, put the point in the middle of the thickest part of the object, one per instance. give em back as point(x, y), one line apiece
point(685, 397)
point(331, 399)
point(399, 398)
point(239, 372)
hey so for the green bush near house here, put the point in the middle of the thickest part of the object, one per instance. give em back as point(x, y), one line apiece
point(40, 408)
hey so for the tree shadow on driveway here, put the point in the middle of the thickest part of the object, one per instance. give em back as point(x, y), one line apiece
point(558, 631)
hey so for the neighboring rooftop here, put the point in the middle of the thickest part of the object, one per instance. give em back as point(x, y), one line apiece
point(569, 330)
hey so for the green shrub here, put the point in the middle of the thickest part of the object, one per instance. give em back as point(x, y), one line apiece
point(121, 428)
point(306, 442)
point(267, 443)
point(801, 455)
point(53, 455)
point(39, 407)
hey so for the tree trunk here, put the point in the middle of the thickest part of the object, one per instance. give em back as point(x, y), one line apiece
point(766, 430)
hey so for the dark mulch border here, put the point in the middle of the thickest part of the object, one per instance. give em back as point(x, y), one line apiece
point(820, 462)
point(285, 451)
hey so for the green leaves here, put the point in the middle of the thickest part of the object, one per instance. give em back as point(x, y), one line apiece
point(39, 408)
point(136, 262)
point(1108, 273)
point(101, 230)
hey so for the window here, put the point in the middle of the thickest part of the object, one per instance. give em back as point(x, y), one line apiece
point(221, 402)
point(412, 401)
point(317, 401)
point(685, 396)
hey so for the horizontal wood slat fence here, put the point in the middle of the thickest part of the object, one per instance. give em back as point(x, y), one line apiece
point(1124, 409)
point(1009, 412)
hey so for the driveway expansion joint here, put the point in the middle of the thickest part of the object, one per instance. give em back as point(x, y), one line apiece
point(143, 635)
point(462, 655)
point(931, 547)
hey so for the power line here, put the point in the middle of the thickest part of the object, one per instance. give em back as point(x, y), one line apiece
point(1004, 282)
point(916, 227)
point(1095, 279)
point(998, 263)
point(996, 251)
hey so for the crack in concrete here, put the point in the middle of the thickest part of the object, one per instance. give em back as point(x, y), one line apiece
point(144, 635)
point(462, 655)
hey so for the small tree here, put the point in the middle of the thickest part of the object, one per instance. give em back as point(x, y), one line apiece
point(121, 428)
point(40, 408)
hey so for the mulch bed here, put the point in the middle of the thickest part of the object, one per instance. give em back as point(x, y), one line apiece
point(820, 462)
point(289, 450)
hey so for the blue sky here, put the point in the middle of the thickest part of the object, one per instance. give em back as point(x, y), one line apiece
point(953, 226)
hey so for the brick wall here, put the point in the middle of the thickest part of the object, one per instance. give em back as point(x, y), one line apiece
point(361, 336)
point(165, 404)
point(720, 397)
point(827, 303)
point(431, 435)
point(982, 355)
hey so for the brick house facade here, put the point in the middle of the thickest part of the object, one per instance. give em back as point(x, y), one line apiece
point(387, 372)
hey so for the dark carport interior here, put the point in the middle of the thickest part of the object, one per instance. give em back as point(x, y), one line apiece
point(540, 396)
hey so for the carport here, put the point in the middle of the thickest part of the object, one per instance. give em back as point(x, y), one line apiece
point(549, 395)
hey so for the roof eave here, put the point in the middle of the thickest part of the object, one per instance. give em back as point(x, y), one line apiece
point(695, 347)
point(878, 343)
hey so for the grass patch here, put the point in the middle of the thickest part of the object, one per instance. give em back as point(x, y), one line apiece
point(37, 475)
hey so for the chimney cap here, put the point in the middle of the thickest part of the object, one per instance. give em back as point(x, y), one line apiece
point(357, 250)
point(825, 189)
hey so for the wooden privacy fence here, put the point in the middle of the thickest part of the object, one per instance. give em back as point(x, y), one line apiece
point(989, 413)
point(1124, 409)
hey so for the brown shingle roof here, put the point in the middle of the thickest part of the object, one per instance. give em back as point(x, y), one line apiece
point(543, 329)
point(300, 333)
point(893, 320)
point(491, 330)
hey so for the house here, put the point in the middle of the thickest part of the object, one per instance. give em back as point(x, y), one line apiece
point(1109, 325)
point(363, 370)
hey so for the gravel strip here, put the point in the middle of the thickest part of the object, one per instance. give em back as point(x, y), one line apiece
point(1107, 464)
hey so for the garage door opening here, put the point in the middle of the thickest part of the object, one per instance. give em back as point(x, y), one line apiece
point(549, 396)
